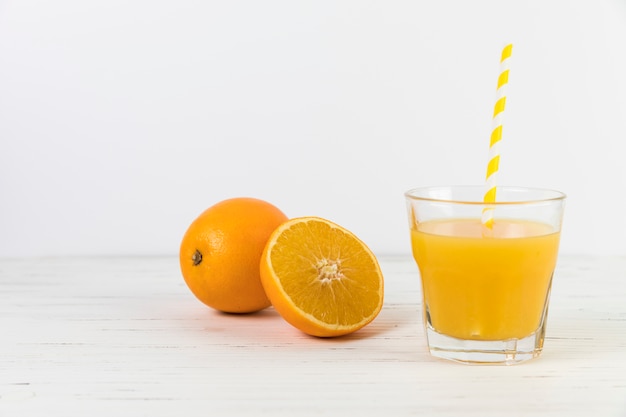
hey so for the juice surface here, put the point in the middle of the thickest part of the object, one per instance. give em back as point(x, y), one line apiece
point(485, 286)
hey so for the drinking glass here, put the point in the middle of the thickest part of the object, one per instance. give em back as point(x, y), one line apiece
point(485, 284)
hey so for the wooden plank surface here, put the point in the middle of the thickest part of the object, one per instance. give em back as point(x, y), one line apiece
point(124, 336)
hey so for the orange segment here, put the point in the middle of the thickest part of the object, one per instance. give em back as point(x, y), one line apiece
point(321, 278)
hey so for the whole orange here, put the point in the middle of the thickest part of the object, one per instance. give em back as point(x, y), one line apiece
point(221, 251)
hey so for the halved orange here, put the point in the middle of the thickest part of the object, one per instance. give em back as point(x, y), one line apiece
point(321, 278)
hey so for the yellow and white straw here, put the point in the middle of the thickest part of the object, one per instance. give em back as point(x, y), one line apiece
point(496, 136)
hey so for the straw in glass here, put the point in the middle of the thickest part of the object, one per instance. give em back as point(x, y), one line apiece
point(496, 136)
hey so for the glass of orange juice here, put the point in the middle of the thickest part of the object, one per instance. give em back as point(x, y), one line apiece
point(485, 285)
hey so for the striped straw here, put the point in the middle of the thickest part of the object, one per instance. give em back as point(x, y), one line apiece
point(496, 135)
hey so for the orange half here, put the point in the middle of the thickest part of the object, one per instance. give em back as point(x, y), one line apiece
point(321, 278)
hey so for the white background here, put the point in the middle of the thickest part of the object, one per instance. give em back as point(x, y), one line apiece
point(120, 121)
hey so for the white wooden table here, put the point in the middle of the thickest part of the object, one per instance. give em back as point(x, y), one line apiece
point(124, 336)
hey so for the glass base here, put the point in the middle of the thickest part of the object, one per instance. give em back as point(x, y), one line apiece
point(485, 352)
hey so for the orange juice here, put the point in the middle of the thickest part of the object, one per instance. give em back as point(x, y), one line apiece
point(485, 286)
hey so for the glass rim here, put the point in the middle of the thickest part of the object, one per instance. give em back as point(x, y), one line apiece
point(552, 195)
